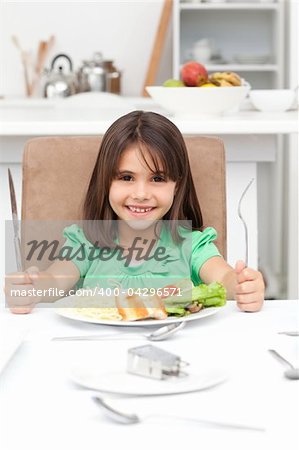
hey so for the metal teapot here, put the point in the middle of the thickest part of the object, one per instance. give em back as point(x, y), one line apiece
point(92, 74)
point(60, 83)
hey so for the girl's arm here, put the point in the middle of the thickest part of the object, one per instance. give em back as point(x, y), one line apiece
point(243, 284)
point(21, 289)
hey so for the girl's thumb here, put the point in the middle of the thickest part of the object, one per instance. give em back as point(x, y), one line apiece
point(32, 273)
point(240, 265)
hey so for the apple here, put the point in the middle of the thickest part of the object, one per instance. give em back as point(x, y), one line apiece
point(194, 74)
point(173, 83)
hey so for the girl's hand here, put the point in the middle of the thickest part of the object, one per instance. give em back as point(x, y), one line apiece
point(23, 281)
point(250, 288)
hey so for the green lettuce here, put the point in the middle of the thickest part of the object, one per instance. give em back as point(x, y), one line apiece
point(179, 312)
point(213, 294)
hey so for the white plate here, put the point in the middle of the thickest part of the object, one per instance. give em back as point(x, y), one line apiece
point(117, 382)
point(252, 59)
point(69, 313)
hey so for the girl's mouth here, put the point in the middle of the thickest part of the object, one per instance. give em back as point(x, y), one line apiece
point(140, 211)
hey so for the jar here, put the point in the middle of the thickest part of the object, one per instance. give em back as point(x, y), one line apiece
point(92, 75)
point(113, 77)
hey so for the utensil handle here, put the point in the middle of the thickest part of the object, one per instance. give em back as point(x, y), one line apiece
point(173, 328)
point(18, 253)
point(280, 358)
point(289, 333)
point(213, 423)
point(102, 337)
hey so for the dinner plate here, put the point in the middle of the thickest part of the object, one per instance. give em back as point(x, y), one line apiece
point(121, 382)
point(251, 59)
point(65, 310)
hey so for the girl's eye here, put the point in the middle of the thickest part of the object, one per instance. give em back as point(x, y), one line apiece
point(126, 178)
point(158, 179)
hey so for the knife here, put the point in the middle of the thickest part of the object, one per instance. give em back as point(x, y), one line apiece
point(15, 220)
point(289, 333)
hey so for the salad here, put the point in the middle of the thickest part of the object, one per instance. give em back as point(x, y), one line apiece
point(190, 299)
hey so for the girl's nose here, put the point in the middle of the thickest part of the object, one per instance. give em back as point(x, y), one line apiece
point(140, 192)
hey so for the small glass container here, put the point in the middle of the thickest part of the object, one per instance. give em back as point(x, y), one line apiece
point(113, 78)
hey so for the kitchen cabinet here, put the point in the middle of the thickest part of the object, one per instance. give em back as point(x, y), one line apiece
point(247, 38)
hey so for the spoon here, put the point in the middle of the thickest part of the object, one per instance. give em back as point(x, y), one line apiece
point(293, 372)
point(160, 334)
point(132, 418)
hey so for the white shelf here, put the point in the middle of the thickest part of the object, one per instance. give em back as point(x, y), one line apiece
point(228, 6)
point(248, 28)
point(242, 67)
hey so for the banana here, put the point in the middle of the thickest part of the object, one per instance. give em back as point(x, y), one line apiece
point(226, 78)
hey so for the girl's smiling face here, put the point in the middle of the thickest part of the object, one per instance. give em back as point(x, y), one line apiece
point(137, 192)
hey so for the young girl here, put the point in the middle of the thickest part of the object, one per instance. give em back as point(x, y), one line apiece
point(141, 188)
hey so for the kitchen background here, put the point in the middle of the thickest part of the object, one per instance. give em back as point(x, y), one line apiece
point(124, 32)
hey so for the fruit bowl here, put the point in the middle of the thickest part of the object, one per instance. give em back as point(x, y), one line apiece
point(192, 102)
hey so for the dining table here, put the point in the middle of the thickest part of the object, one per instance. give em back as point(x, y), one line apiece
point(43, 406)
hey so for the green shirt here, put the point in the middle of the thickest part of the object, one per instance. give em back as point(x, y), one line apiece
point(182, 260)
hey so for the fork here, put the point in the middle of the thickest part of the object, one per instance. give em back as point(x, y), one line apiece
point(243, 220)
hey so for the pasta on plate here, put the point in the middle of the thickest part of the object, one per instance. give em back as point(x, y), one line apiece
point(99, 307)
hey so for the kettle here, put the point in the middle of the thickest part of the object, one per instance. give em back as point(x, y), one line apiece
point(60, 83)
point(92, 74)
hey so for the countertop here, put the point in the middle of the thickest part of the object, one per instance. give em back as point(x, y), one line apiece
point(39, 117)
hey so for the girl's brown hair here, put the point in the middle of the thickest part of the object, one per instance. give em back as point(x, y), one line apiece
point(162, 140)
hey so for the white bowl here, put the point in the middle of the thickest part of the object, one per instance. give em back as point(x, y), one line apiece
point(272, 100)
point(198, 101)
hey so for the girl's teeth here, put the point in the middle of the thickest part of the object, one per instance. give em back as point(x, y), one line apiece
point(139, 210)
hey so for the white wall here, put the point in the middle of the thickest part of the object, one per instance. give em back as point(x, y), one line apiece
point(122, 30)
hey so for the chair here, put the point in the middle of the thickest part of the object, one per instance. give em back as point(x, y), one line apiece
point(56, 172)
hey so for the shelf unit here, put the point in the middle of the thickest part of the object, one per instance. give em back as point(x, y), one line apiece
point(220, 5)
point(251, 28)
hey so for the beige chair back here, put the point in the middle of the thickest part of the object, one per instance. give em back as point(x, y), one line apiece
point(56, 173)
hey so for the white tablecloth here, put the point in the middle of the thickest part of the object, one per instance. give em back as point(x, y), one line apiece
point(41, 408)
